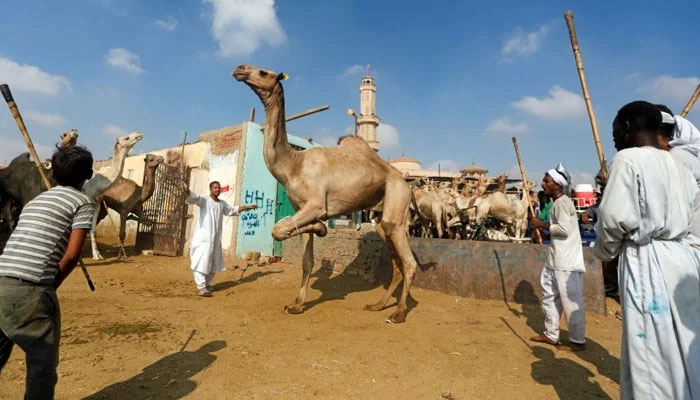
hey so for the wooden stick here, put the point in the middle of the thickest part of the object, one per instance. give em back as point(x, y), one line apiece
point(691, 102)
point(7, 94)
point(251, 118)
point(526, 189)
point(569, 16)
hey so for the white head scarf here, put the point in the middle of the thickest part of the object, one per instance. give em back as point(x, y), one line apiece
point(560, 176)
point(685, 133)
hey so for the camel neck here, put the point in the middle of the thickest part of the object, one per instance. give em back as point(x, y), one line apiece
point(276, 148)
point(117, 167)
point(148, 183)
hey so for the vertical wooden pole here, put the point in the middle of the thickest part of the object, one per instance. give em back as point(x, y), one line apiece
point(569, 16)
point(526, 190)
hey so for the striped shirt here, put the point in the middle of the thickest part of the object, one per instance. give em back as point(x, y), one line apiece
point(36, 246)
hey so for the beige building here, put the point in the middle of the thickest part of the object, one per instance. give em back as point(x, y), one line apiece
point(368, 121)
point(474, 171)
point(412, 170)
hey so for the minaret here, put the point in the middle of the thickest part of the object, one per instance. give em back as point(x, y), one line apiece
point(368, 121)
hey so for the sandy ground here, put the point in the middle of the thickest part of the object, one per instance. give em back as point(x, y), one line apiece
point(125, 341)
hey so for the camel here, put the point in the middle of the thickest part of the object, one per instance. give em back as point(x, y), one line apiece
point(324, 182)
point(126, 196)
point(429, 208)
point(508, 209)
point(20, 181)
point(97, 185)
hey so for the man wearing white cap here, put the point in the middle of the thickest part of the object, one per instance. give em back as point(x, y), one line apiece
point(562, 275)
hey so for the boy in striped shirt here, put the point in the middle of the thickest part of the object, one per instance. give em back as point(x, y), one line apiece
point(39, 255)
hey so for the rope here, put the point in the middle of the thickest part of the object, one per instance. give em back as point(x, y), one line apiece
point(295, 222)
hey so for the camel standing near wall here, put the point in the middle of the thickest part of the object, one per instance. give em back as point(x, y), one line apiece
point(20, 181)
point(326, 182)
point(127, 197)
point(97, 185)
point(510, 210)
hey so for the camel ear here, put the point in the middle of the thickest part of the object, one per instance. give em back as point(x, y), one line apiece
point(282, 76)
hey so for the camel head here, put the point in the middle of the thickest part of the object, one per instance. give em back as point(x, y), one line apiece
point(153, 161)
point(128, 141)
point(69, 138)
point(263, 81)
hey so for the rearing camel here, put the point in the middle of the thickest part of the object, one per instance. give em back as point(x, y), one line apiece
point(325, 182)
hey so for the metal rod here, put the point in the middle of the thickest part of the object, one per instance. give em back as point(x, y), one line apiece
point(526, 190)
point(691, 102)
point(569, 16)
point(307, 112)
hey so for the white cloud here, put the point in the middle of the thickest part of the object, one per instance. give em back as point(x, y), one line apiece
point(506, 127)
point(561, 103)
point(169, 24)
point(678, 90)
point(113, 130)
point(387, 136)
point(241, 26)
point(353, 70)
point(11, 148)
point(521, 43)
point(52, 120)
point(446, 165)
point(123, 59)
point(31, 79)
point(532, 175)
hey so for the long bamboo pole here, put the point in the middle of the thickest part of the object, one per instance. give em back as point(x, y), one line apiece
point(569, 16)
point(526, 189)
point(691, 102)
point(7, 94)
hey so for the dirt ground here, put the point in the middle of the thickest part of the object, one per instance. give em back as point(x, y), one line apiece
point(125, 341)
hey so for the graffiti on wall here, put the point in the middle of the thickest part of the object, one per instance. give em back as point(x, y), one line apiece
point(253, 220)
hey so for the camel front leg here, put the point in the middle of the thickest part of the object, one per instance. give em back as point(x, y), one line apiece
point(306, 220)
point(95, 252)
point(122, 236)
point(307, 264)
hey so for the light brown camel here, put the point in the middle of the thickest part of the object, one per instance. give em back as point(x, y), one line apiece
point(324, 182)
point(97, 185)
point(126, 196)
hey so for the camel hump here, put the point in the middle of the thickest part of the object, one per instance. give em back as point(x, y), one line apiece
point(22, 158)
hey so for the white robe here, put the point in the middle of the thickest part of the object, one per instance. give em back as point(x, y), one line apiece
point(205, 252)
point(645, 217)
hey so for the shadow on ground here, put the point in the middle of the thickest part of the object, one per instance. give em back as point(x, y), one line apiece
point(167, 378)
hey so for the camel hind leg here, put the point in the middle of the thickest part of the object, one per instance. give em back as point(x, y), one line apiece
point(396, 274)
point(394, 220)
point(307, 264)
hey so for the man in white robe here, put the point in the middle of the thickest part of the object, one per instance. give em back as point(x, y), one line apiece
point(562, 275)
point(645, 218)
point(205, 252)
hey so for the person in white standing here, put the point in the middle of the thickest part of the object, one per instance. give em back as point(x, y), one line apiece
point(205, 252)
point(562, 275)
point(645, 218)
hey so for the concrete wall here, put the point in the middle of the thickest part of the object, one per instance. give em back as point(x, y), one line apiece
point(475, 269)
point(259, 187)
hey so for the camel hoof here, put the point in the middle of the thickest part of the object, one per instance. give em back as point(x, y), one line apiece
point(397, 317)
point(294, 309)
point(374, 307)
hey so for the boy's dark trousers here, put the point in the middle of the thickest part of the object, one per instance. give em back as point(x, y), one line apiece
point(30, 317)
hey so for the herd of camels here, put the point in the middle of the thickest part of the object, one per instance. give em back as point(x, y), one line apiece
point(321, 183)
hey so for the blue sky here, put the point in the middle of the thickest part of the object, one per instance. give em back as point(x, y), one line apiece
point(455, 80)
